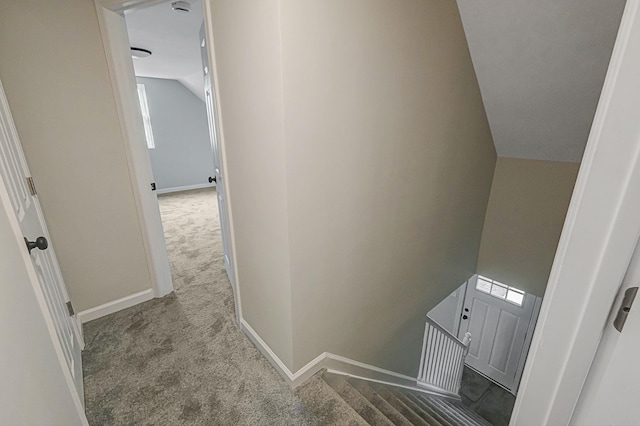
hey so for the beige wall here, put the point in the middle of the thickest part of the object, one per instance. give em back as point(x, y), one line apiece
point(248, 61)
point(359, 161)
point(389, 167)
point(528, 204)
point(53, 67)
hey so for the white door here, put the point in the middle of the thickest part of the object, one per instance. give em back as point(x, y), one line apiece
point(610, 393)
point(498, 318)
point(14, 174)
point(210, 100)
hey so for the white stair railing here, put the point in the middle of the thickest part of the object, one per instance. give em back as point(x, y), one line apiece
point(442, 360)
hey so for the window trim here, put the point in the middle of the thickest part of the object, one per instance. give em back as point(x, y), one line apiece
point(146, 116)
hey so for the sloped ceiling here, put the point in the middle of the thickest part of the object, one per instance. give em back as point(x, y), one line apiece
point(174, 39)
point(541, 66)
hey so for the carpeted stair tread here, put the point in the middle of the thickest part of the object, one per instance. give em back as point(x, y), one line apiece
point(445, 411)
point(456, 413)
point(407, 412)
point(460, 407)
point(358, 402)
point(429, 409)
point(380, 403)
point(328, 407)
point(424, 414)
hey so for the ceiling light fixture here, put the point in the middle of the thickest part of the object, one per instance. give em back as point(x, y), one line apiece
point(181, 6)
point(137, 52)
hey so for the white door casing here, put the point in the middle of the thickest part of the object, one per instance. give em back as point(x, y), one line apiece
point(498, 334)
point(210, 101)
point(610, 394)
point(118, 55)
point(26, 208)
point(598, 239)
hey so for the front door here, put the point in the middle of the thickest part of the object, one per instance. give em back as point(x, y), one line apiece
point(498, 317)
point(26, 207)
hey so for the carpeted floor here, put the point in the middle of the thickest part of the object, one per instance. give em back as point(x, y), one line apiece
point(182, 359)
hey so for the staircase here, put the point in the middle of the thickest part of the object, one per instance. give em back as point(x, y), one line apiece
point(359, 402)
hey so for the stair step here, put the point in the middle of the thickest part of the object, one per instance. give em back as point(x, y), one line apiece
point(359, 403)
point(466, 410)
point(407, 412)
point(328, 407)
point(424, 414)
point(429, 409)
point(458, 414)
point(380, 403)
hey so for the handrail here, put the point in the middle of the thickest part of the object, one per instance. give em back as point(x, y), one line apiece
point(446, 332)
point(442, 361)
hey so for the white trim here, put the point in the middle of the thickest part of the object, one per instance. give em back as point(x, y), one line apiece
point(118, 58)
point(185, 188)
point(115, 306)
point(422, 389)
point(527, 344)
point(596, 245)
point(336, 364)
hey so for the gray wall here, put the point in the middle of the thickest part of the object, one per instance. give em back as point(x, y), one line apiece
point(528, 204)
point(182, 156)
point(63, 105)
point(374, 158)
point(447, 312)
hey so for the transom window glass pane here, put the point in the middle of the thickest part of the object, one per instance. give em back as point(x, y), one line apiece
point(515, 297)
point(483, 285)
point(500, 291)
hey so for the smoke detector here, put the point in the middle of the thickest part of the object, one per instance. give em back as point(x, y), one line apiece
point(181, 6)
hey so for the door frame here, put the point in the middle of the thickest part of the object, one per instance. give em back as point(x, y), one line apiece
point(597, 241)
point(115, 39)
point(526, 344)
point(120, 65)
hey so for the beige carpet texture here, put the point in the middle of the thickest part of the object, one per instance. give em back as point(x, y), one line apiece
point(182, 359)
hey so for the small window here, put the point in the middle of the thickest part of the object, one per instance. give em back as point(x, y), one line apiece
point(146, 118)
point(500, 291)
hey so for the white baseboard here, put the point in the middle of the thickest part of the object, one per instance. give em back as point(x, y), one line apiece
point(115, 306)
point(335, 364)
point(185, 188)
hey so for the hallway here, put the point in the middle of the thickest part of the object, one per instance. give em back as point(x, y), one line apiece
point(182, 359)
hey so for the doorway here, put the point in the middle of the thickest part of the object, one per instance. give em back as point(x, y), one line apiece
point(501, 320)
point(178, 106)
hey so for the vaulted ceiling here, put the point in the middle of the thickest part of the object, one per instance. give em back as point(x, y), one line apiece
point(541, 66)
point(174, 39)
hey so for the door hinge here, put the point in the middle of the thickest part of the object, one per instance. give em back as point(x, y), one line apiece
point(32, 186)
point(153, 186)
point(70, 309)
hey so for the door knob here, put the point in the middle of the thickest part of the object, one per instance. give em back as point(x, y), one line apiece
point(212, 179)
point(40, 243)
